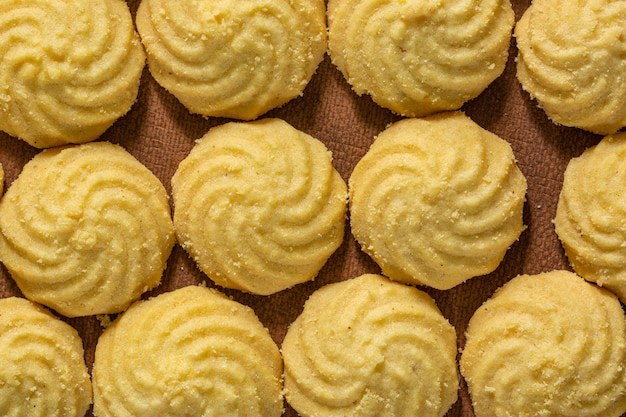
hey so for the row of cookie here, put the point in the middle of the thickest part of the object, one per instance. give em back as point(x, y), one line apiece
point(86, 229)
point(72, 70)
point(260, 208)
point(549, 344)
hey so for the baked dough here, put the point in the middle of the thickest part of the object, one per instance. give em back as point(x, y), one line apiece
point(571, 60)
point(259, 205)
point(370, 347)
point(420, 57)
point(547, 345)
point(189, 352)
point(43, 372)
point(68, 69)
point(436, 201)
point(85, 229)
point(233, 58)
point(590, 214)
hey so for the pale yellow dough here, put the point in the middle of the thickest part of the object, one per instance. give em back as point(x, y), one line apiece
point(85, 229)
point(189, 352)
point(590, 214)
point(548, 345)
point(420, 57)
point(571, 60)
point(43, 372)
point(370, 347)
point(68, 69)
point(259, 205)
point(233, 58)
point(436, 201)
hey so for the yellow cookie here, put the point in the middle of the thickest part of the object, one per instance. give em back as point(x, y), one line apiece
point(68, 69)
point(547, 345)
point(85, 229)
point(233, 58)
point(571, 60)
point(436, 201)
point(259, 205)
point(590, 214)
point(370, 347)
point(420, 57)
point(189, 352)
point(43, 372)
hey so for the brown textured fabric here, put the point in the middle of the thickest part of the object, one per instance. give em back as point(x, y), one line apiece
point(160, 132)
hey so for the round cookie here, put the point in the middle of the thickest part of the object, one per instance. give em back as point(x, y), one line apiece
point(85, 229)
point(233, 58)
point(259, 205)
point(571, 61)
point(436, 201)
point(208, 355)
point(370, 347)
point(547, 345)
point(68, 69)
point(590, 214)
point(420, 57)
point(43, 372)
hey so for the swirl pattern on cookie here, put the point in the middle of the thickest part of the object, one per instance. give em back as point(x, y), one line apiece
point(85, 229)
point(233, 58)
point(418, 58)
point(571, 60)
point(259, 205)
point(43, 372)
point(370, 347)
point(554, 340)
point(68, 69)
point(436, 201)
point(209, 355)
point(590, 213)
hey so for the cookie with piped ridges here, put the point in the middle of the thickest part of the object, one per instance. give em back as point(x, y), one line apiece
point(259, 205)
point(571, 60)
point(369, 346)
point(233, 58)
point(85, 229)
point(68, 69)
point(437, 200)
point(590, 213)
point(43, 372)
point(420, 57)
point(550, 344)
point(207, 355)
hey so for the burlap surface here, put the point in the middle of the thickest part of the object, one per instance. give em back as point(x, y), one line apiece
point(160, 132)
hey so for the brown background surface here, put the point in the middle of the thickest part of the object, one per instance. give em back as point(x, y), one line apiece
point(160, 132)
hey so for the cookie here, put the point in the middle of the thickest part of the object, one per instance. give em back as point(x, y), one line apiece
point(370, 347)
point(590, 214)
point(85, 229)
point(571, 62)
point(43, 372)
point(233, 58)
point(208, 355)
point(436, 201)
point(68, 69)
point(550, 344)
point(259, 205)
point(419, 58)
point(1, 180)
